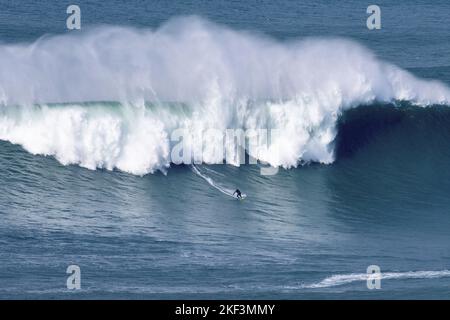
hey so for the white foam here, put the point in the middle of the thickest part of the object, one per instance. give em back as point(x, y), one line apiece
point(226, 78)
point(342, 279)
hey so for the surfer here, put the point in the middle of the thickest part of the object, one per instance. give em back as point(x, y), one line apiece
point(238, 194)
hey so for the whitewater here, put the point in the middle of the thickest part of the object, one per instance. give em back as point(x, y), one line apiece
point(110, 97)
point(343, 279)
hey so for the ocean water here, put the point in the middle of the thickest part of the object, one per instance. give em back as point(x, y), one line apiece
point(363, 148)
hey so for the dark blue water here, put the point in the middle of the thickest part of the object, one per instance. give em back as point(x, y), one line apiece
point(307, 232)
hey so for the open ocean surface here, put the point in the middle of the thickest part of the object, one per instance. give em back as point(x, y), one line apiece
point(364, 150)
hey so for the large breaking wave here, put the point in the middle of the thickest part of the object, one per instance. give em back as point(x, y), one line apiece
point(193, 74)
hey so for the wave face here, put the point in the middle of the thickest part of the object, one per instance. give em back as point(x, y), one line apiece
point(193, 74)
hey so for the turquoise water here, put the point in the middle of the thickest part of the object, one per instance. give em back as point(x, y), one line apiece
point(84, 181)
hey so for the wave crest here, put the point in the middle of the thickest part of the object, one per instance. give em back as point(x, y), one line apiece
point(226, 78)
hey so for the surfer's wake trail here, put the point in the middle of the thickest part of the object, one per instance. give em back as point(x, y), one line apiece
point(224, 190)
point(192, 74)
